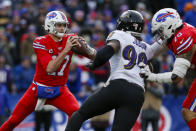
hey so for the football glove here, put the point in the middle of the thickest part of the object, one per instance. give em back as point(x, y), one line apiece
point(146, 73)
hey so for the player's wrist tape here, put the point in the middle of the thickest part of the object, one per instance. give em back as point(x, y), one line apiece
point(181, 66)
point(91, 51)
point(161, 78)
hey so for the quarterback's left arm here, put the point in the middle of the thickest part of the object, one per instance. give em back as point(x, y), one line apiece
point(181, 65)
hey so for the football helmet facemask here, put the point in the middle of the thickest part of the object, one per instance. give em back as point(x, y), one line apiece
point(52, 19)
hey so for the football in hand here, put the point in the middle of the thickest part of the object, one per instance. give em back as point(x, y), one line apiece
point(80, 50)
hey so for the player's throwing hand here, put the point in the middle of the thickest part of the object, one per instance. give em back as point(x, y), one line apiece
point(71, 42)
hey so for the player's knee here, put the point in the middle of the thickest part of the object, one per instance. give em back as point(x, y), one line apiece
point(79, 115)
point(187, 114)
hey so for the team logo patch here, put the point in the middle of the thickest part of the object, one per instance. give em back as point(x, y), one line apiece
point(110, 35)
point(49, 90)
point(50, 50)
point(162, 17)
point(52, 15)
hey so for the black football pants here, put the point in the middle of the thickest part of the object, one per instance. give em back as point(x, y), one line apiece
point(126, 98)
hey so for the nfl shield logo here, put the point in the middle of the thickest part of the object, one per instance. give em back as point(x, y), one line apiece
point(50, 51)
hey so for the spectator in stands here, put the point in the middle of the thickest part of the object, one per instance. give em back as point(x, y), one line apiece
point(79, 17)
point(7, 47)
point(4, 108)
point(188, 7)
point(180, 5)
point(152, 104)
point(43, 117)
point(39, 25)
point(190, 16)
point(100, 74)
point(26, 48)
point(5, 74)
point(141, 7)
point(4, 16)
point(179, 89)
point(23, 75)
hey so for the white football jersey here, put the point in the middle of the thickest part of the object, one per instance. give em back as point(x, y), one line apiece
point(124, 63)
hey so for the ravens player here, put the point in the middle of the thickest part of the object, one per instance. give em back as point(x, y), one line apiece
point(124, 90)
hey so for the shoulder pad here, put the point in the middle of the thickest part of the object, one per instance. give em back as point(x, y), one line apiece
point(115, 35)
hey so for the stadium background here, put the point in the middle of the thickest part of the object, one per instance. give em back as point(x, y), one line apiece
point(21, 21)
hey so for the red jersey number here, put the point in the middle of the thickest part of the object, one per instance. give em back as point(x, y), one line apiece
point(61, 72)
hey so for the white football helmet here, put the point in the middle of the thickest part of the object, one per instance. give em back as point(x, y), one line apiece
point(165, 22)
point(52, 18)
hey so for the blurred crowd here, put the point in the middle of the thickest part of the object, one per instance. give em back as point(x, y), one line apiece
point(21, 22)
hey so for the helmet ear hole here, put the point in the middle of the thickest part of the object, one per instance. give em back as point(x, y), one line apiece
point(170, 27)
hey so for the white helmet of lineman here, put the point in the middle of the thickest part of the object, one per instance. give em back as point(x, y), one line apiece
point(52, 18)
point(165, 22)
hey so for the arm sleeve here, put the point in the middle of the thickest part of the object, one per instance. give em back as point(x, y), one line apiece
point(103, 56)
point(152, 49)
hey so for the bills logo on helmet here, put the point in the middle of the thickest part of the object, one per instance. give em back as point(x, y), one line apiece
point(52, 15)
point(162, 17)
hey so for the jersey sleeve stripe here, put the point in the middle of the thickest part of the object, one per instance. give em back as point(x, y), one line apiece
point(39, 48)
point(184, 43)
point(193, 105)
point(39, 45)
point(186, 46)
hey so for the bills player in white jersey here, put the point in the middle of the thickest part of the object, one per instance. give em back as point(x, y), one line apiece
point(124, 90)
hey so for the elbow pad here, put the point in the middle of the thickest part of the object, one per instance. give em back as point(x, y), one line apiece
point(181, 66)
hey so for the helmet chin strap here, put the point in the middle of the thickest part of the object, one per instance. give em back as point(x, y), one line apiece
point(60, 34)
